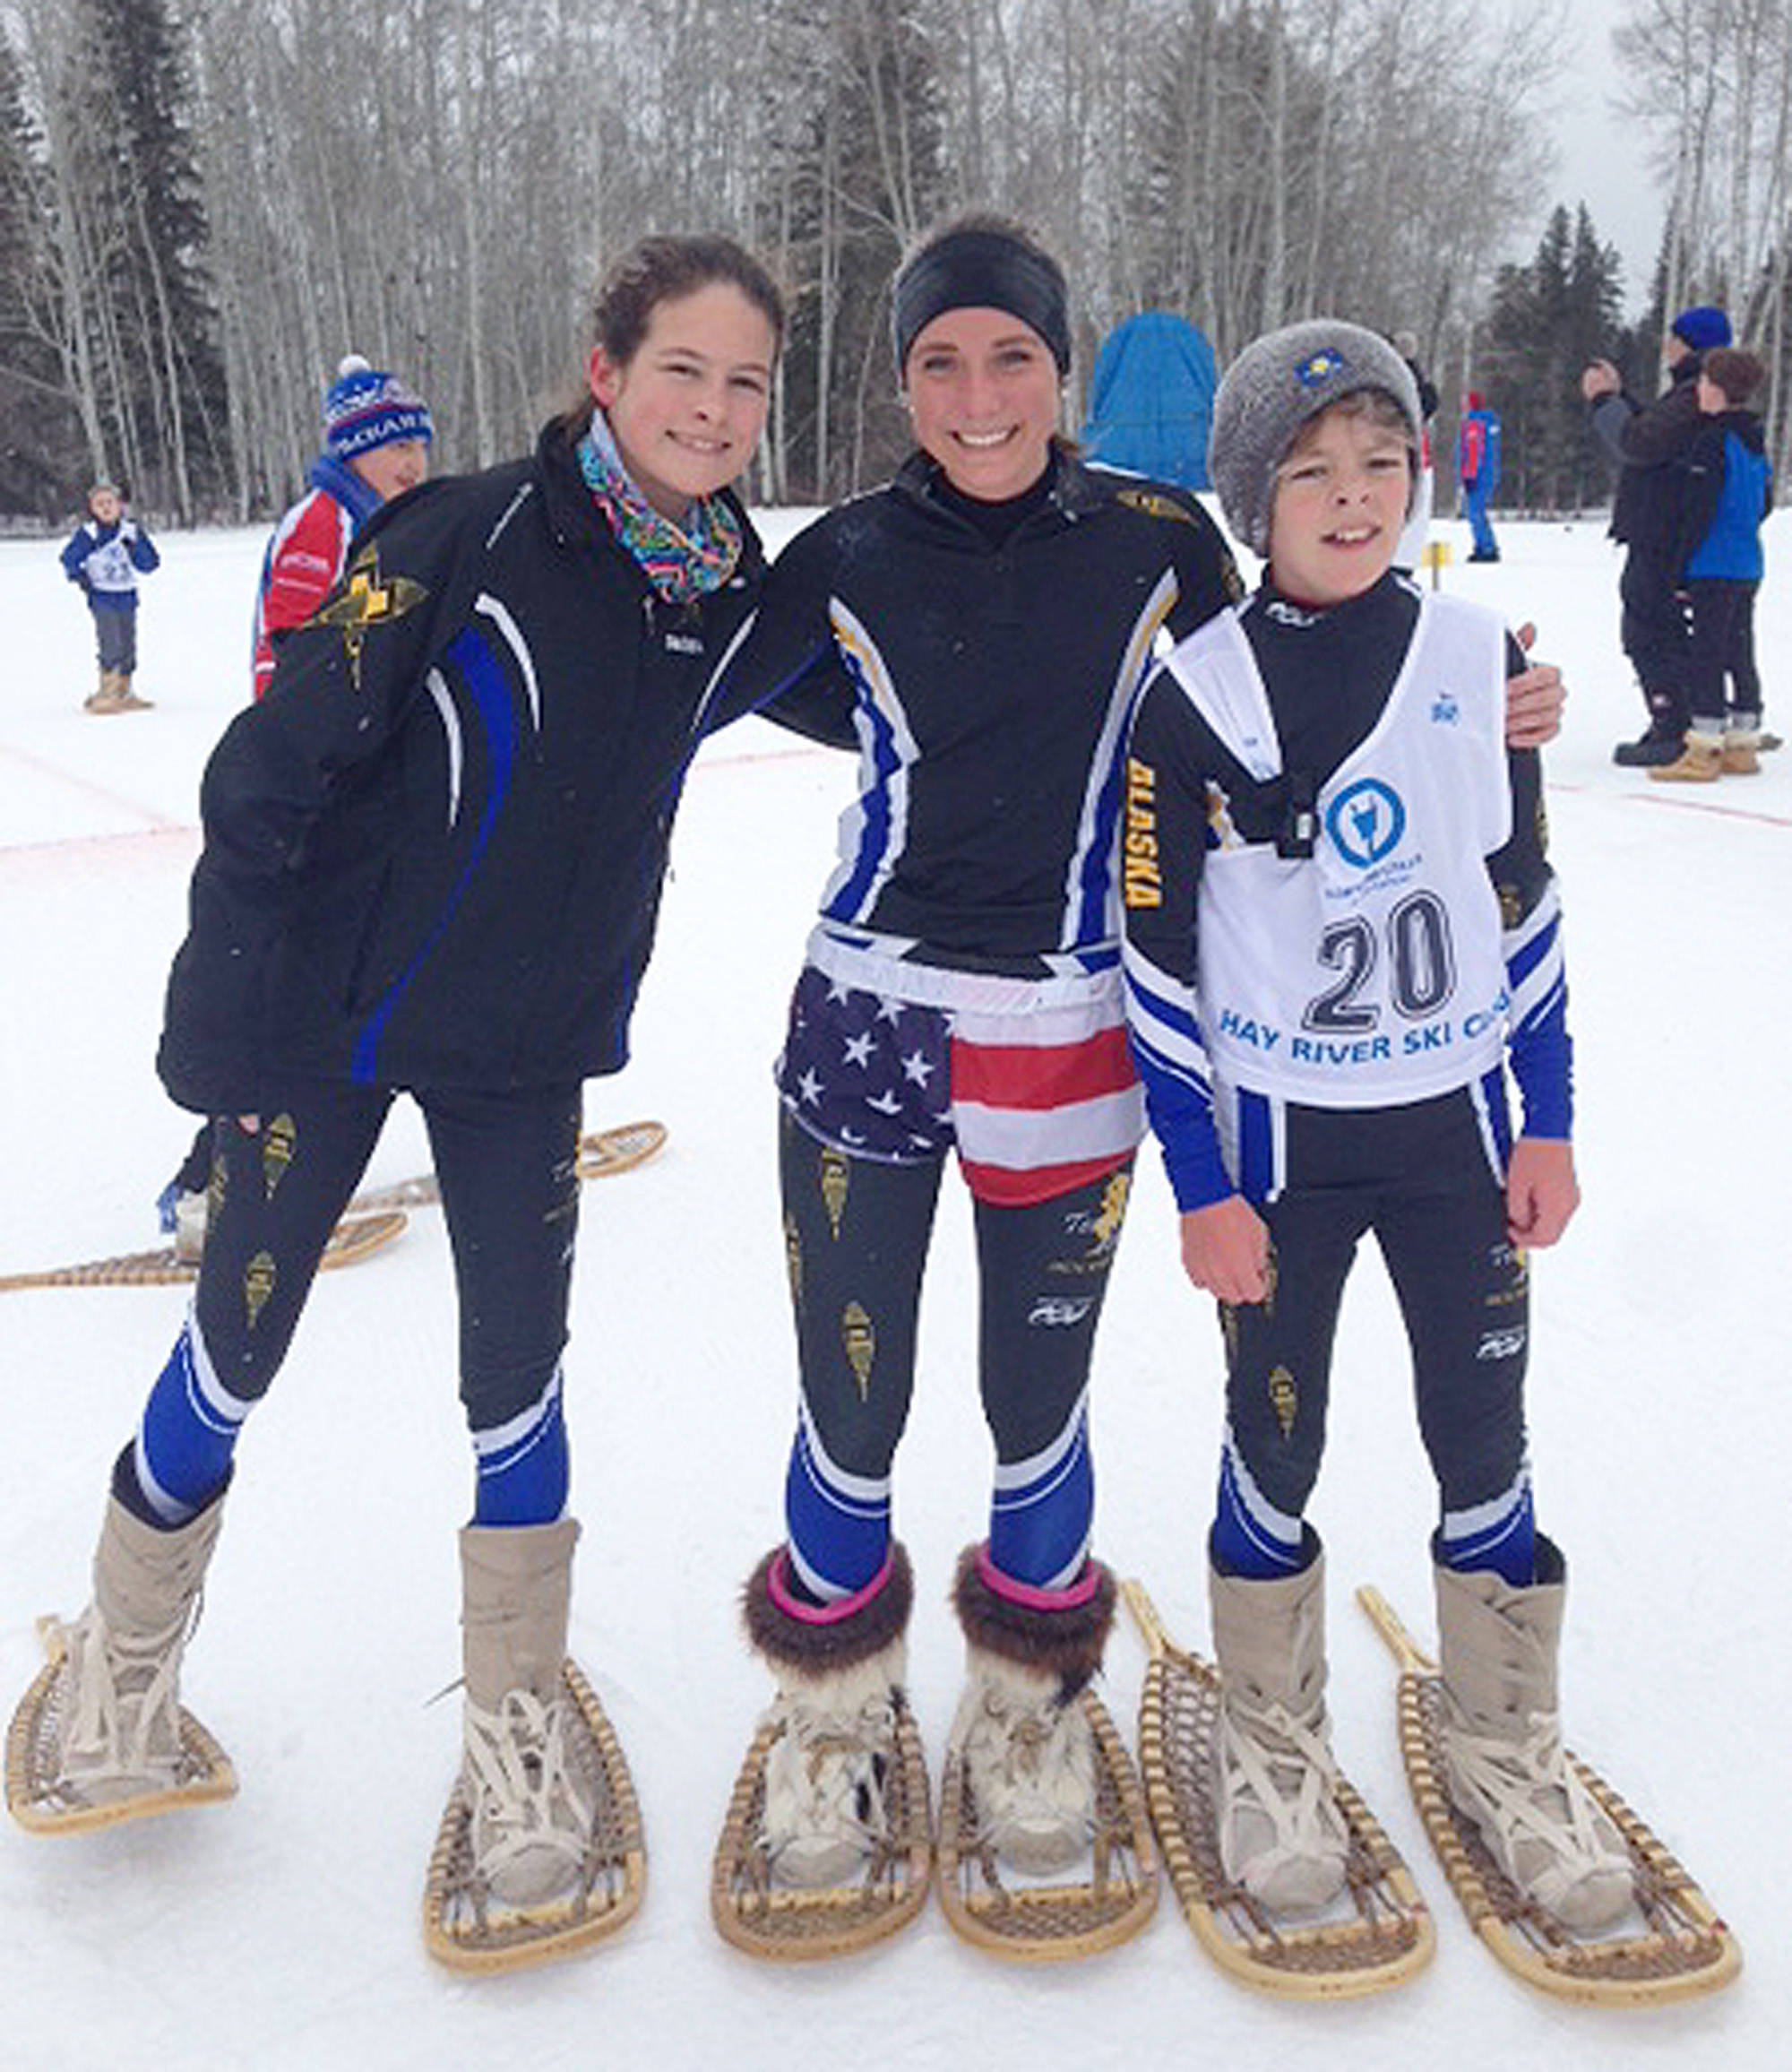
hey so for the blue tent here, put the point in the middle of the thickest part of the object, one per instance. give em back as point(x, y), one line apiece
point(1151, 400)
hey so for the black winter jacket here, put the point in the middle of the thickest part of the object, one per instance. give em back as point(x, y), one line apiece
point(434, 852)
point(1648, 442)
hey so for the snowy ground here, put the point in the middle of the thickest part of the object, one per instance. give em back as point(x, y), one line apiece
point(281, 1932)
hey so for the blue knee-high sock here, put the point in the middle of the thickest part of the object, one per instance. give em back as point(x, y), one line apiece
point(1251, 1538)
point(1498, 1537)
point(838, 1524)
point(186, 1438)
point(1040, 1513)
point(524, 1465)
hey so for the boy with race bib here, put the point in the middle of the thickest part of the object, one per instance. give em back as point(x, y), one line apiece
point(1339, 924)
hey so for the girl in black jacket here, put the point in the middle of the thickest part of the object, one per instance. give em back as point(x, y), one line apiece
point(432, 863)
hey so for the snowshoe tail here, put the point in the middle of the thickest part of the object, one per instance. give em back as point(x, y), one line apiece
point(791, 1924)
point(609, 1152)
point(469, 1930)
point(1380, 1932)
point(601, 1152)
point(1684, 1949)
point(352, 1239)
point(38, 1801)
point(1040, 1921)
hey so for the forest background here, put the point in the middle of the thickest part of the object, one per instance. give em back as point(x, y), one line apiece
point(203, 203)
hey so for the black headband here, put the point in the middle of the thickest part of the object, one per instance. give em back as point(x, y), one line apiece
point(981, 270)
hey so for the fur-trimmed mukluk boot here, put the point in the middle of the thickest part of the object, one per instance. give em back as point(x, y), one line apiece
point(1026, 1745)
point(102, 1735)
point(1502, 1736)
point(828, 1840)
point(1283, 1834)
point(540, 1847)
point(1038, 1788)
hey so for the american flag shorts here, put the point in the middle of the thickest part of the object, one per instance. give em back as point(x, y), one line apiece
point(1032, 1084)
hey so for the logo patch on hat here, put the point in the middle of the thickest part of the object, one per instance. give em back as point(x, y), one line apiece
point(1318, 368)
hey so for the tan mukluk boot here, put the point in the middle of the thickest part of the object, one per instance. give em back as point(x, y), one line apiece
point(540, 1849)
point(102, 1735)
point(1700, 761)
point(1741, 751)
point(1281, 1834)
point(1502, 1745)
point(828, 1841)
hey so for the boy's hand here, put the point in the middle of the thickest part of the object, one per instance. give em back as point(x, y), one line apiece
point(1542, 1193)
point(1226, 1250)
point(1534, 699)
point(1600, 378)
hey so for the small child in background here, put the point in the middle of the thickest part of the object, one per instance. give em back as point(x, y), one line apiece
point(105, 557)
point(1729, 490)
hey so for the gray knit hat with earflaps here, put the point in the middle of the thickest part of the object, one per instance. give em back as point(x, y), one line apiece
point(1276, 385)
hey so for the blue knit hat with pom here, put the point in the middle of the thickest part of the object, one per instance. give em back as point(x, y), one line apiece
point(1702, 327)
point(364, 407)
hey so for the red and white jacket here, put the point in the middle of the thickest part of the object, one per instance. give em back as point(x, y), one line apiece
point(306, 556)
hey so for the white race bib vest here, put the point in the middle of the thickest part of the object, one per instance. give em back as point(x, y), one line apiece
point(1369, 975)
point(109, 566)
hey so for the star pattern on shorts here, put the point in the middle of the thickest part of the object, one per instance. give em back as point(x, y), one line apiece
point(866, 1072)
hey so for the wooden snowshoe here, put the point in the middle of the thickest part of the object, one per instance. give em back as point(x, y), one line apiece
point(36, 1800)
point(467, 1929)
point(618, 1150)
point(1683, 1947)
point(351, 1240)
point(601, 1152)
point(1038, 1920)
point(790, 1923)
point(1378, 1933)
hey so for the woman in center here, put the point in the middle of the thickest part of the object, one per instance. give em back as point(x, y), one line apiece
point(992, 610)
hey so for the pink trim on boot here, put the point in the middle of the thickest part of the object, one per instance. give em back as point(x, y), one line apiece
point(1035, 1600)
point(778, 1589)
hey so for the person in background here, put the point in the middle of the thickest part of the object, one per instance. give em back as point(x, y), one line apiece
point(1648, 441)
point(376, 436)
point(1478, 469)
point(1411, 552)
point(108, 552)
point(375, 445)
point(1730, 491)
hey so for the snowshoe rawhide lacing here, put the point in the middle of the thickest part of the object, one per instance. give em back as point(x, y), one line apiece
point(47, 1803)
point(469, 1928)
point(1110, 1897)
point(1681, 1949)
point(788, 1922)
point(1377, 1934)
